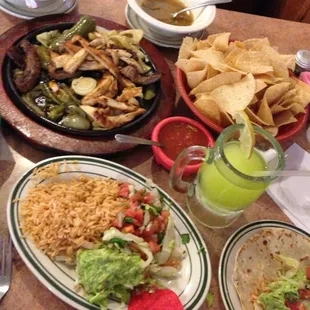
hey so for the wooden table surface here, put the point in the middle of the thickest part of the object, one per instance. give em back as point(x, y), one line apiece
point(26, 291)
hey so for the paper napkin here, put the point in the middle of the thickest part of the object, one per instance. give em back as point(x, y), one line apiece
point(292, 194)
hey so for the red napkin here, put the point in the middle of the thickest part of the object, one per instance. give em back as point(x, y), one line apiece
point(159, 300)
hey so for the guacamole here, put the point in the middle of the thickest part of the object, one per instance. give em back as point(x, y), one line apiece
point(280, 290)
point(108, 271)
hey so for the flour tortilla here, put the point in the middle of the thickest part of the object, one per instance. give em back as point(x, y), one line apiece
point(256, 264)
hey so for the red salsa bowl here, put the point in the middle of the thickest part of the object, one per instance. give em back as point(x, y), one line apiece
point(177, 133)
point(285, 132)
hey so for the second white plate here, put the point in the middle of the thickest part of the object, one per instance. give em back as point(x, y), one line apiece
point(227, 261)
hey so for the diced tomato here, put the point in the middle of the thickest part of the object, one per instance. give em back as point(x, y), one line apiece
point(148, 197)
point(124, 191)
point(139, 216)
point(304, 294)
point(162, 222)
point(136, 214)
point(154, 247)
point(308, 273)
point(165, 214)
point(128, 229)
point(137, 232)
point(153, 237)
point(134, 204)
point(153, 229)
point(295, 305)
point(130, 212)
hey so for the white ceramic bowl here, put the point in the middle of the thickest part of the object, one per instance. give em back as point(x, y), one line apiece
point(202, 18)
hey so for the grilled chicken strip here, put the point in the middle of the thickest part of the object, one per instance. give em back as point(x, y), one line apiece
point(104, 101)
point(109, 122)
point(130, 92)
point(74, 63)
point(102, 88)
point(102, 58)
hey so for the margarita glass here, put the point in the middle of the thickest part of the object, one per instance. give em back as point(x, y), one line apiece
point(227, 182)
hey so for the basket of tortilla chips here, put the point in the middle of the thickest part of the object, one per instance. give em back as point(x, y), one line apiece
point(217, 77)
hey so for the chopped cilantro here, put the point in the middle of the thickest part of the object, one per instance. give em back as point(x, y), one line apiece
point(160, 237)
point(185, 238)
point(122, 243)
point(128, 219)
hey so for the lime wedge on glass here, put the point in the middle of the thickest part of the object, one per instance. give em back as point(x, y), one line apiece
point(247, 135)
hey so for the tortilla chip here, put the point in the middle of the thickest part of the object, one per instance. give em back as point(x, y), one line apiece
point(254, 118)
point(272, 130)
point(276, 108)
point(190, 65)
point(259, 85)
point(255, 44)
point(235, 97)
point(188, 45)
point(289, 95)
point(287, 61)
point(219, 41)
point(275, 92)
point(296, 108)
point(196, 77)
point(264, 112)
point(268, 78)
point(208, 107)
point(211, 72)
point(280, 70)
point(284, 118)
point(226, 120)
point(202, 45)
point(212, 57)
point(253, 62)
point(219, 80)
point(253, 101)
point(233, 54)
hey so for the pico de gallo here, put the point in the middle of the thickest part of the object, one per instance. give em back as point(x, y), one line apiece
point(148, 219)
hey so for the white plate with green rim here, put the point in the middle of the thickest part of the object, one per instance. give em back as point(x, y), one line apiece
point(19, 8)
point(227, 261)
point(191, 287)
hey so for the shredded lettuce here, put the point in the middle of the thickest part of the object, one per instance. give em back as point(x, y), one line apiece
point(143, 246)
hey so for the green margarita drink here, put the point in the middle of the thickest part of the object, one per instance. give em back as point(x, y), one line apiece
point(227, 182)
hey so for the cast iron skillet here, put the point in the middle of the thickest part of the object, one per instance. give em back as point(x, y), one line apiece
point(149, 105)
